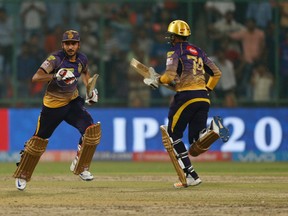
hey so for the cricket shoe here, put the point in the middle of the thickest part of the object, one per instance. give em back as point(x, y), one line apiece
point(220, 128)
point(20, 184)
point(86, 176)
point(190, 182)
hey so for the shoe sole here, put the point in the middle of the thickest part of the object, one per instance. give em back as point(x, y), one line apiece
point(223, 131)
point(193, 185)
point(87, 179)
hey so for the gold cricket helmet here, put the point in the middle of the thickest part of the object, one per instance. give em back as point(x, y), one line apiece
point(179, 27)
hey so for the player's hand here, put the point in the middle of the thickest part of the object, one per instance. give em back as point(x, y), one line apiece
point(65, 75)
point(93, 98)
point(153, 83)
point(153, 80)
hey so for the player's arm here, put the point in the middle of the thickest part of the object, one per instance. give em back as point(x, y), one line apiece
point(92, 92)
point(85, 77)
point(170, 76)
point(41, 76)
point(214, 75)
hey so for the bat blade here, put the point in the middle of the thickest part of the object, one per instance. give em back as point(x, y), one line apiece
point(140, 68)
point(92, 83)
point(144, 71)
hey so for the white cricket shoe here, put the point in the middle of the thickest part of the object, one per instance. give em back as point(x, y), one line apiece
point(190, 182)
point(20, 184)
point(86, 176)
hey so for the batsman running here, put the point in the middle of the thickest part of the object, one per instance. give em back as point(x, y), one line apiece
point(186, 69)
point(62, 102)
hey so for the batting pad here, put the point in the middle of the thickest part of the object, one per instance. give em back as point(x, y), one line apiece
point(34, 148)
point(203, 143)
point(167, 142)
point(90, 141)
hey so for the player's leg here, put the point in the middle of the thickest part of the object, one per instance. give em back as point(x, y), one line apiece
point(91, 134)
point(179, 116)
point(48, 120)
point(30, 156)
point(208, 136)
point(180, 160)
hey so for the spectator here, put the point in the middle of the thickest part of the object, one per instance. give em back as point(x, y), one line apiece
point(58, 18)
point(33, 16)
point(223, 27)
point(261, 12)
point(217, 9)
point(38, 54)
point(225, 89)
point(262, 82)
point(52, 38)
point(88, 14)
point(110, 52)
point(138, 93)
point(6, 50)
point(143, 40)
point(253, 44)
point(26, 67)
point(123, 27)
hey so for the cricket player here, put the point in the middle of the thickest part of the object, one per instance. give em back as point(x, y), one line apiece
point(61, 102)
point(192, 75)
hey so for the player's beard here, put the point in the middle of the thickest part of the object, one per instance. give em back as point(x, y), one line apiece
point(70, 53)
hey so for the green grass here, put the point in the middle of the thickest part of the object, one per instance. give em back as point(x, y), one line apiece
point(237, 168)
point(136, 188)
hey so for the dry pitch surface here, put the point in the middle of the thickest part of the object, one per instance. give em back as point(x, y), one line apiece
point(123, 188)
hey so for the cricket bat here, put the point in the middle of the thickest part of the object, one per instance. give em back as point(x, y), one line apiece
point(91, 84)
point(140, 68)
point(144, 71)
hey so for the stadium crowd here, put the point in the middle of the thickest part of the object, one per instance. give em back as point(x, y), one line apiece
point(239, 36)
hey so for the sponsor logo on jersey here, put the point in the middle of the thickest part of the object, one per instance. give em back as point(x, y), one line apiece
point(169, 61)
point(169, 54)
point(51, 57)
point(46, 64)
point(80, 68)
point(192, 50)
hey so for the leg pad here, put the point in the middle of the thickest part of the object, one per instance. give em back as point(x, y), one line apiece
point(90, 141)
point(167, 142)
point(34, 148)
point(204, 142)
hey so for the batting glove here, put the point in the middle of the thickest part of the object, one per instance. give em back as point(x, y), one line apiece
point(93, 98)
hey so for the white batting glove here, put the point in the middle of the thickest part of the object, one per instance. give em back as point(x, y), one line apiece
point(93, 98)
point(65, 75)
point(153, 80)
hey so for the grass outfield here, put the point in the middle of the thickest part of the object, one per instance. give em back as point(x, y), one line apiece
point(134, 188)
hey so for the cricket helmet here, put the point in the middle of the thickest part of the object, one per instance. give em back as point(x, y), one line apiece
point(71, 35)
point(179, 27)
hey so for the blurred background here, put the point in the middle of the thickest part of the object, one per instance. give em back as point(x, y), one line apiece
point(255, 66)
point(247, 39)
